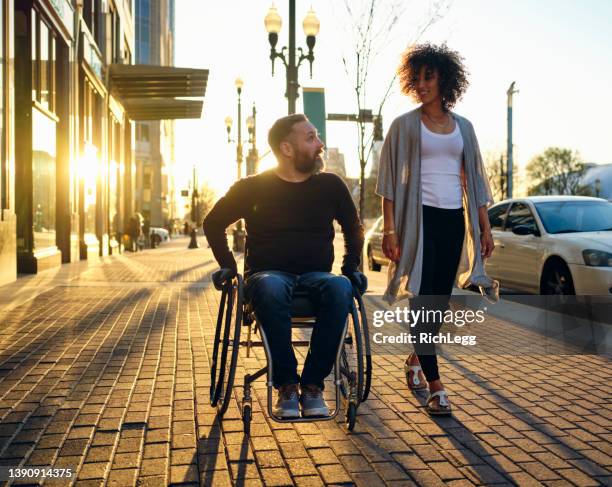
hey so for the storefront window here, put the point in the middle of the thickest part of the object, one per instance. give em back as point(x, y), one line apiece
point(43, 178)
point(52, 72)
point(3, 175)
point(90, 167)
point(34, 55)
point(44, 65)
point(113, 177)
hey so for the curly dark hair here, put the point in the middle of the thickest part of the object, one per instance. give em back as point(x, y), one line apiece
point(448, 64)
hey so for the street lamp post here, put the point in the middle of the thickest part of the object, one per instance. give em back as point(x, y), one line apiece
point(273, 23)
point(253, 156)
point(239, 236)
point(509, 157)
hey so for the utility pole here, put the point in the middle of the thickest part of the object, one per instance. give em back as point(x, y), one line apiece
point(509, 159)
point(502, 177)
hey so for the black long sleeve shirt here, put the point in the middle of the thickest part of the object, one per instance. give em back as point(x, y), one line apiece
point(289, 225)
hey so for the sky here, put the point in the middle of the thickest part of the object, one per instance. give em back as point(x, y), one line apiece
point(557, 51)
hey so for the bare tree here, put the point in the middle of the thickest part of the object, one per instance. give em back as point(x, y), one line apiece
point(495, 167)
point(373, 25)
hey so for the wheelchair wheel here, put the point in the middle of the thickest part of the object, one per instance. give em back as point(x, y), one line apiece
point(365, 337)
point(351, 415)
point(352, 360)
point(226, 345)
point(355, 358)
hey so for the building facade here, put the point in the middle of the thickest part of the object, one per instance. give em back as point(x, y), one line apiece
point(8, 220)
point(71, 94)
point(154, 149)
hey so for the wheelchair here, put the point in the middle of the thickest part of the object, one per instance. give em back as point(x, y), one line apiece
point(352, 369)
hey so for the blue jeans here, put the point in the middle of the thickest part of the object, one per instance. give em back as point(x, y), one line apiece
point(270, 294)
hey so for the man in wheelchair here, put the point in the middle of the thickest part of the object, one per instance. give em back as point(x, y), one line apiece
point(289, 213)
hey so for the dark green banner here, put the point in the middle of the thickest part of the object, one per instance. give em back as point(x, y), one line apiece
point(314, 109)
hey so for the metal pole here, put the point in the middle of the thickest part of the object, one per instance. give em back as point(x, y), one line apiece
point(502, 189)
point(253, 156)
point(238, 233)
point(509, 159)
point(239, 145)
point(292, 81)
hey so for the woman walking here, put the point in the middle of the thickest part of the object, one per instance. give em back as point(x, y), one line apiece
point(435, 197)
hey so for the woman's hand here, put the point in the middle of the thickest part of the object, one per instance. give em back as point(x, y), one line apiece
point(486, 244)
point(390, 247)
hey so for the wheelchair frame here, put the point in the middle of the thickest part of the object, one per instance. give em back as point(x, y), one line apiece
point(352, 385)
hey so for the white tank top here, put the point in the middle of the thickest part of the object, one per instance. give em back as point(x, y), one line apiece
point(441, 156)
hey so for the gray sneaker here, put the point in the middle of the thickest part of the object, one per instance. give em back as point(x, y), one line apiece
point(312, 401)
point(287, 402)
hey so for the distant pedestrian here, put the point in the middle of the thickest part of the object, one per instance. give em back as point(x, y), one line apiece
point(433, 184)
point(146, 230)
point(135, 231)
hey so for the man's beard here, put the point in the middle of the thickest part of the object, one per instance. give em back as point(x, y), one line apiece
point(307, 164)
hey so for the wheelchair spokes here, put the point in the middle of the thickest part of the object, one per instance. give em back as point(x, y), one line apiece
point(355, 357)
point(367, 353)
point(227, 339)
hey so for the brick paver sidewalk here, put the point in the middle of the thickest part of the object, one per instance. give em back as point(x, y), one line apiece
point(106, 372)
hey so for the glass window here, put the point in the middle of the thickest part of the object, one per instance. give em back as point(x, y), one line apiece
point(575, 216)
point(52, 72)
point(34, 55)
point(89, 172)
point(90, 158)
point(143, 18)
point(43, 178)
point(44, 65)
point(520, 214)
point(3, 175)
point(144, 132)
point(146, 182)
point(497, 216)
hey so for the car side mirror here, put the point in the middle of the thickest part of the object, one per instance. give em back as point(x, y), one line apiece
point(525, 230)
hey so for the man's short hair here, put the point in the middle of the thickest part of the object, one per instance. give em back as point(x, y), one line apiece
point(282, 128)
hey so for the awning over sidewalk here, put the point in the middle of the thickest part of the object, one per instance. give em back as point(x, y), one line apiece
point(151, 92)
point(162, 108)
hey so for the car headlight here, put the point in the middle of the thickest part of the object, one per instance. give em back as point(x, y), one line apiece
point(597, 258)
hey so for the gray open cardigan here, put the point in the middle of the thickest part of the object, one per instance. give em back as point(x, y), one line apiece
point(399, 180)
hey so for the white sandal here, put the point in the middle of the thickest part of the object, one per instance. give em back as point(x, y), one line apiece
point(444, 407)
point(415, 384)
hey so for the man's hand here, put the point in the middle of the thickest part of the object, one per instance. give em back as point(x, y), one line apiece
point(219, 277)
point(359, 280)
point(486, 244)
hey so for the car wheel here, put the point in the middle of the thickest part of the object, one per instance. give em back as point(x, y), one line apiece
point(372, 265)
point(557, 279)
point(156, 239)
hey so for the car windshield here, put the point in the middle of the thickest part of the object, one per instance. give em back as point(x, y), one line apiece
point(575, 216)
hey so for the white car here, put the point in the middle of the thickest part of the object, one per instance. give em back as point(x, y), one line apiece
point(159, 235)
point(552, 245)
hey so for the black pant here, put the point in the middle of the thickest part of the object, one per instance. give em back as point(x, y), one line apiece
point(443, 232)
